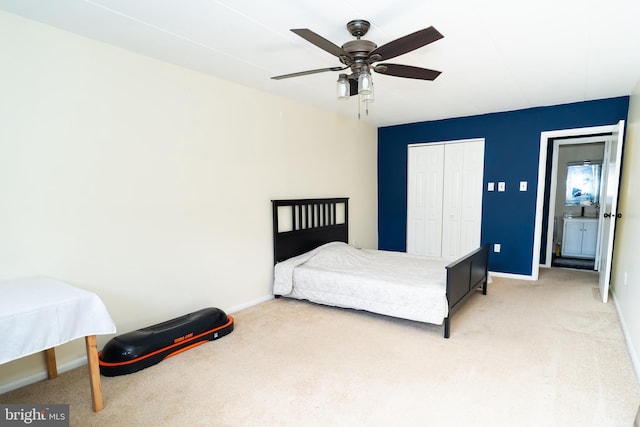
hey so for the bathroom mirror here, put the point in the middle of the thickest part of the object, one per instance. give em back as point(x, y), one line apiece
point(583, 183)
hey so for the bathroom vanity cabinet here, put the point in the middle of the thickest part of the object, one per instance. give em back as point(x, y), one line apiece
point(580, 237)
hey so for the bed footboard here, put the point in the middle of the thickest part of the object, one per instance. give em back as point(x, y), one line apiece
point(464, 276)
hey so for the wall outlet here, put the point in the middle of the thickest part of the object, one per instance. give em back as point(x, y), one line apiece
point(496, 247)
point(523, 185)
point(491, 186)
point(501, 186)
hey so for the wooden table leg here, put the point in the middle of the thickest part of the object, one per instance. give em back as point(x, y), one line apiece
point(94, 373)
point(50, 357)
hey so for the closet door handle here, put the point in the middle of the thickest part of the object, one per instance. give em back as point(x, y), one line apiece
point(606, 215)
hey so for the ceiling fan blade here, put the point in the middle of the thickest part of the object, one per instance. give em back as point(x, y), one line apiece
point(320, 41)
point(407, 43)
point(304, 73)
point(406, 71)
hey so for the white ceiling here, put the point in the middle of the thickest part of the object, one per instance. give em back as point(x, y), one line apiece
point(496, 55)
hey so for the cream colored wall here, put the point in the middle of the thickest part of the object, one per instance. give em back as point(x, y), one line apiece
point(625, 275)
point(150, 184)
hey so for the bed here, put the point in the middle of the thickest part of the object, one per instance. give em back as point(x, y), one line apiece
point(313, 261)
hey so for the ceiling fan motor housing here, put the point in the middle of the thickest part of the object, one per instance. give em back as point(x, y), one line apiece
point(359, 48)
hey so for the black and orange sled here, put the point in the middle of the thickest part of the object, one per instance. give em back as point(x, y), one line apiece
point(145, 347)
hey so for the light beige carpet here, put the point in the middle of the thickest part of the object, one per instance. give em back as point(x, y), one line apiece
point(543, 353)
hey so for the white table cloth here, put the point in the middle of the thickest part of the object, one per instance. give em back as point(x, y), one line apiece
point(39, 313)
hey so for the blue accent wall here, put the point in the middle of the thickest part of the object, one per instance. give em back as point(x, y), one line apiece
point(512, 152)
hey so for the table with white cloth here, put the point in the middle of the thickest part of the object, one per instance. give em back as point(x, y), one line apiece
point(39, 313)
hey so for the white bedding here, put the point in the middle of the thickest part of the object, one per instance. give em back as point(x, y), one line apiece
point(390, 283)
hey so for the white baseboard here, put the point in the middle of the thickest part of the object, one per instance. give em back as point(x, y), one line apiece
point(511, 275)
point(630, 347)
point(31, 379)
point(249, 304)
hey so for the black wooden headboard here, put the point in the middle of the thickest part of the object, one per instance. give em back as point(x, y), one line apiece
point(304, 224)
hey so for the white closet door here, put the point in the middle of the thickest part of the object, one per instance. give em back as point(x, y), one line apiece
point(424, 205)
point(471, 215)
point(444, 206)
point(452, 200)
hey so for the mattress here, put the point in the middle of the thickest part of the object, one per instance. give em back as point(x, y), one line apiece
point(390, 283)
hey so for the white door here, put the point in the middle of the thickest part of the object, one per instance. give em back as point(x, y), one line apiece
point(452, 200)
point(462, 198)
point(424, 199)
point(444, 198)
point(609, 203)
point(471, 216)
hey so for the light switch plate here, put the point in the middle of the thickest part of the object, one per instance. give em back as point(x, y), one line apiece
point(496, 247)
point(501, 186)
point(491, 186)
point(523, 185)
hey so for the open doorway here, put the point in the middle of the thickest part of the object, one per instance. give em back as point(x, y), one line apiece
point(543, 230)
point(574, 201)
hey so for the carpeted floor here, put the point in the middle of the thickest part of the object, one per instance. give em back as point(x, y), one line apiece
point(543, 353)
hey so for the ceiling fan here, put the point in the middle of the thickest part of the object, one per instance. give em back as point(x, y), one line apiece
point(360, 55)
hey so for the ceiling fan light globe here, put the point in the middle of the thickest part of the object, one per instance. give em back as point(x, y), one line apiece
point(365, 84)
point(342, 87)
point(368, 98)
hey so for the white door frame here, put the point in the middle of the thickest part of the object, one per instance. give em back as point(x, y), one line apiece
point(542, 169)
